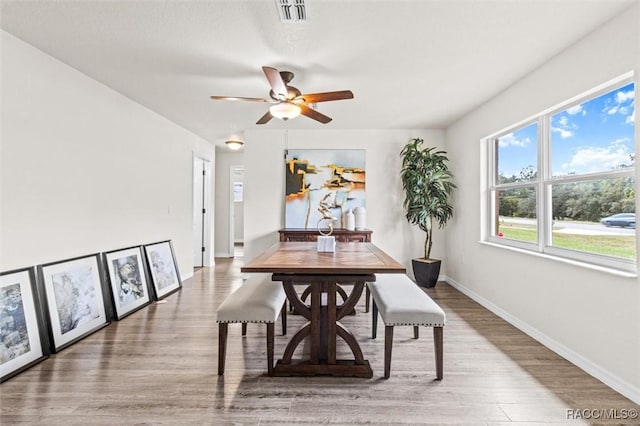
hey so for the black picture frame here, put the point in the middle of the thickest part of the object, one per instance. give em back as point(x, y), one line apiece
point(75, 299)
point(23, 336)
point(163, 268)
point(126, 274)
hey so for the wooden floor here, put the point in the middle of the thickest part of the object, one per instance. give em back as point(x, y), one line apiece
point(158, 366)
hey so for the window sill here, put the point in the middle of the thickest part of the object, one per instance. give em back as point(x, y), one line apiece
point(573, 262)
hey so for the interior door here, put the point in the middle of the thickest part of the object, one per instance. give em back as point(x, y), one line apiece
point(199, 211)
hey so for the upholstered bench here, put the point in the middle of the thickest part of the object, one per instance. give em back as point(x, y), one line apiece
point(401, 302)
point(258, 300)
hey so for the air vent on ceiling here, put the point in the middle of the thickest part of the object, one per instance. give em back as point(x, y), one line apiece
point(292, 10)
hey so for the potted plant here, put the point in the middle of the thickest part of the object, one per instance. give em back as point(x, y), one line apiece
point(428, 186)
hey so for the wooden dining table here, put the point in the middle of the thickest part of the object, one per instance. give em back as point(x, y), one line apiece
point(299, 263)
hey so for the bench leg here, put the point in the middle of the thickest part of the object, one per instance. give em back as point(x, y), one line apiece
point(367, 296)
point(439, 347)
point(244, 328)
point(271, 331)
point(415, 331)
point(222, 346)
point(374, 320)
point(283, 313)
point(388, 343)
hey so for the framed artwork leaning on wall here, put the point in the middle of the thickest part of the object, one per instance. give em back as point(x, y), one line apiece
point(75, 299)
point(163, 268)
point(23, 335)
point(127, 280)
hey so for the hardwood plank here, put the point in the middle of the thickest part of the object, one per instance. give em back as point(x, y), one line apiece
point(159, 366)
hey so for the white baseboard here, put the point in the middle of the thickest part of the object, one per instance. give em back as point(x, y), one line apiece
point(222, 255)
point(606, 377)
point(186, 276)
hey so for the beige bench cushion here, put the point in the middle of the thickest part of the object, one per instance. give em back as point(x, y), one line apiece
point(401, 302)
point(257, 300)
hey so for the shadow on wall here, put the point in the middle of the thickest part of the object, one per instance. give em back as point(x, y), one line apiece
point(258, 245)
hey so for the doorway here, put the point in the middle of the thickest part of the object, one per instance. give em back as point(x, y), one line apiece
point(201, 214)
point(236, 211)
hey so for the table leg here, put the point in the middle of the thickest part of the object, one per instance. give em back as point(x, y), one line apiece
point(307, 291)
point(331, 323)
point(323, 327)
point(316, 332)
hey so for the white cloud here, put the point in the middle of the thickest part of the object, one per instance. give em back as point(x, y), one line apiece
point(622, 97)
point(597, 158)
point(622, 103)
point(631, 119)
point(620, 141)
point(576, 109)
point(510, 140)
point(613, 110)
point(564, 126)
point(564, 133)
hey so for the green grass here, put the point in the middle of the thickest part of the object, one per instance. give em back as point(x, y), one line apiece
point(520, 234)
point(622, 246)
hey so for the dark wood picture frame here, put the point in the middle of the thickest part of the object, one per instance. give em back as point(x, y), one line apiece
point(24, 331)
point(163, 268)
point(126, 274)
point(75, 299)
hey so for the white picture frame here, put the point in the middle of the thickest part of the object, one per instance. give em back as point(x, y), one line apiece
point(163, 268)
point(74, 299)
point(23, 336)
point(126, 272)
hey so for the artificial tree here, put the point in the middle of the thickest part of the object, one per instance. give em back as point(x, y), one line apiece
point(428, 187)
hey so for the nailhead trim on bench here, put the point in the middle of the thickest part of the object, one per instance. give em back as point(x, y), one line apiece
point(257, 292)
point(399, 289)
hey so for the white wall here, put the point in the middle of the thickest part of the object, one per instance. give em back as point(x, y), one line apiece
point(590, 317)
point(85, 169)
point(224, 161)
point(264, 186)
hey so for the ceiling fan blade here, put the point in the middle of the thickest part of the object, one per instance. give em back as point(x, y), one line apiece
point(313, 98)
point(277, 84)
point(312, 113)
point(265, 118)
point(240, 98)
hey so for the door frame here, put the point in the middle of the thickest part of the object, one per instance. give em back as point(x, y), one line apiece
point(232, 238)
point(205, 239)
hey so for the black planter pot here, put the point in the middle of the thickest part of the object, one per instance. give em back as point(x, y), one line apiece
point(426, 271)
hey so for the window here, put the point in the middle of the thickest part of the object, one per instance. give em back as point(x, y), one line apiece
point(238, 192)
point(563, 182)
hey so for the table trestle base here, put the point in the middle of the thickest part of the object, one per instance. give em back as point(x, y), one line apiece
point(323, 327)
point(342, 368)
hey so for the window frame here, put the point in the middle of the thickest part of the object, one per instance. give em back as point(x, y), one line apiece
point(544, 182)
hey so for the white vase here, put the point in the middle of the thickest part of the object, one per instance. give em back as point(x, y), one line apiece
point(361, 218)
point(349, 220)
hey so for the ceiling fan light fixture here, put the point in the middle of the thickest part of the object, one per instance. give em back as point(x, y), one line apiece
point(234, 144)
point(285, 110)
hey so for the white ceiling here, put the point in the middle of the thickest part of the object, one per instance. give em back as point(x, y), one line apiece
point(410, 64)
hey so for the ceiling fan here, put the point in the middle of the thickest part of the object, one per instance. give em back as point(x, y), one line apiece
point(288, 102)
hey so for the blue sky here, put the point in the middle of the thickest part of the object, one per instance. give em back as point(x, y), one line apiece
point(596, 135)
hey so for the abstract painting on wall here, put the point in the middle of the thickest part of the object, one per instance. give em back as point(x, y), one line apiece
point(332, 176)
point(75, 299)
point(23, 340)
point(164, 271)
point(129, 288)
